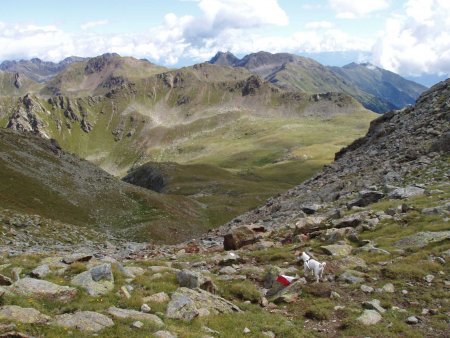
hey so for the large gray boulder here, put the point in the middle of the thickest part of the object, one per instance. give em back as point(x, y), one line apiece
point(97, 281)
point(136, 315)
point(22, 315)
point(83, 321)
point(30, 287)
point(193, 279)
point(186, 304)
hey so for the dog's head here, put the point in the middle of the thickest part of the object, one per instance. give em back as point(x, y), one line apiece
point(305, 256)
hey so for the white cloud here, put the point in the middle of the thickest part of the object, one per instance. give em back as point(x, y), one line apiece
point(319, 25)
point(351, 9)
point(92, 24)
point(417, 42)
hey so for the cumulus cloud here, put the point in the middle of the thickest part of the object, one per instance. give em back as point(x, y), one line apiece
point(417, 42)
point(92, 24)
point(351, 9)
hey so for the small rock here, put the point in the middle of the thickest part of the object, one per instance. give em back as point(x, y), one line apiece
point(5, 280)
point(366, 289)
point(41, 271)
point(369, 317)
point(22, 315)
point(145, 308)
point(15, 273)
point(227, 270)
point(268, 334)
point(137, 324)
point(77, 257)
point(412, 320)
point(337, 250)
point(404, 292)
point(402, 193)
point(429, 278)
point(351, 276)
point(335, 295)
point(374, 305)
point(246, 330)
point(124, 292)
point(160, 297)
point(389, 287)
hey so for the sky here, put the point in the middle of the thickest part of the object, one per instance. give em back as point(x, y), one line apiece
point(410, 37)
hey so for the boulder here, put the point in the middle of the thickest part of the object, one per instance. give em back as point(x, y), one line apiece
point(409, 191)
point(310, 209)
point(76, 257)
point(194, 279)
point(351, 221)
point(334, 235)
point(136, 315)
point(97, 281)
point(239, 237)
point(337, 250)
point(22, 315)
point(83, 321)
point(227, 270)
point(369, 317)
point(279, 293)
point(422, 239)
point(186, 304)
point(37, 288)
point(365, 198)
point(41, 271)
point(309, 224)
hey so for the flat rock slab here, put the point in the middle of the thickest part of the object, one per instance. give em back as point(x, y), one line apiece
point(77, 257)
point(186, 304)
point(422, 239)
point(22, 315)
point(136, 315)
point(84, 321)
point(160, 297)
point(337, 250)
point(31, 287)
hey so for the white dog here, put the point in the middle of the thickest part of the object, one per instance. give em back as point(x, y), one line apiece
point(312, 265)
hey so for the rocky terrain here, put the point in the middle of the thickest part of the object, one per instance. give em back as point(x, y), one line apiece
point(378, 216)
point(377, 89)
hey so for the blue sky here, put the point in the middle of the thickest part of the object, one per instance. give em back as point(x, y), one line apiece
point(409, 37)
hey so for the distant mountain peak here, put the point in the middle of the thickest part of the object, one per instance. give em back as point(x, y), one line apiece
point(224, 59)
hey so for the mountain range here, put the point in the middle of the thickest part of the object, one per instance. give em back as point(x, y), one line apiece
point(377, 89)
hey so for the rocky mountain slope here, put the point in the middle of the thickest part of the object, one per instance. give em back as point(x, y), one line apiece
point(40, 180)
point(378, 216)
point(367, 85)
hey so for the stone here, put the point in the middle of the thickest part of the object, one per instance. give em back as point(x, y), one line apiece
point(268, 334)
point(429, 278)
point(41, 271)
point(374, 304)
point(227, 270)
point(389, 287)
point(76, 257)
point(271, 275)
point(334, 235)
point(369, 247)
point(133, 271)
point(124, 292)
point(137, 324)
point(352, 262)
point(412, 320)
point(351, 221)
point(164, 334)
point(209, 330)
point(246, 330)
point(203, 312)
point(239, 237)
point(22, 315)
point(309, 224)
point(422, 239)
point(15, 273)
point(282, 294)
point(335, 295)
point(369, 317)
point(84, 321)
point(365, 198)
point(310, 209)
point(367, 289)
point(146, 308)
point(5, 281)
point(194, 279)
point(30, 287)
point(97, 281)
point(229, 259)
point(160, 297)
point(337, 250)
point(409, 191)
point(351, 277)
point(185, 304)
point(136, 315)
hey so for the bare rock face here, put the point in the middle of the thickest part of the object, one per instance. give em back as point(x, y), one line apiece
point(25, 118)
point(17, 82)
